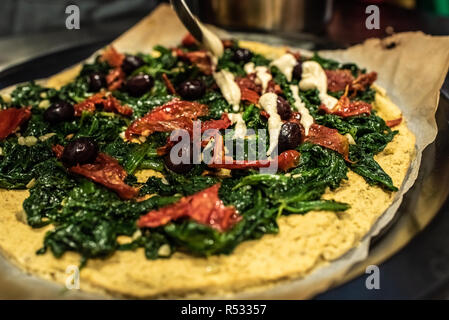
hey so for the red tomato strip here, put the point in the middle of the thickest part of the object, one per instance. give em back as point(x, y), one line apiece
point(328, 138)
point(106, 171)
point(394, 122)
point(11, 119)
point(176, 114)
point(168, 84)
point(109, 103)
point(204, 207)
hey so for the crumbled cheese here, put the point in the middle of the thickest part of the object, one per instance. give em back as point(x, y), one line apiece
point(350, 138)
point(240, 126)
point(47, 136)
point(164, 251)
point(27, 141)
point(306, 119)
point(43, 95)
point(44, 104)
point(286, 64)
point(156, 54)
point(314, 77)
point(136, 234)
point(269, 103)
point(31, 184)
point(230, 90)
point(6, 98)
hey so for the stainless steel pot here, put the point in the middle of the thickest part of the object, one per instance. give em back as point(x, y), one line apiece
point(273, 15)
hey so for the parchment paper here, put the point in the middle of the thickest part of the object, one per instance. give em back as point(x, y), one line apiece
point(412, 72)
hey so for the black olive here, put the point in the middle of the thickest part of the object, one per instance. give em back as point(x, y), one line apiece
point(80, 151)
point(284, 109)
point(140, 84)
point(131, 63)
point(96, 81)
point(289, 137)
point(192, 89)
point(59, 112)
point(297, 71)
point(186, 149)
point(242, 55)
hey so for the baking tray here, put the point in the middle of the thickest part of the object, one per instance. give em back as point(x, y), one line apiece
point(411, 252)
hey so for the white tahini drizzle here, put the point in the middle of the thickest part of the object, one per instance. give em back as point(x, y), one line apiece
point(240, 126)
point(230, 90)
point(306, 118)
point(314, 77)
point(286, 63)
point(269, 103)
point(211, 41)
point(263, 77)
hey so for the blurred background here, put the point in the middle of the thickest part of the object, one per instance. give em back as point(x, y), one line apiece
point(30, 28)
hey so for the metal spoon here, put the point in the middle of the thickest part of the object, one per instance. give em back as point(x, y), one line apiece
point(187, 18)
point(196, 28)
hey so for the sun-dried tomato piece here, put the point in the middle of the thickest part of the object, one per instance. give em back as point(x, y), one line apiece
point(338, 80)
point(219, 124)
point(285, 161)
point(112, 57)
point(189, 40)
point(204, 207)
point(249, 89)
point(393, 123)
point(107, 101)
point(363, 82)
point(249, 95)
point(347, 108)
point(11, 119)
point(176, 114)
point(274, 87)
point(105, 170)
point(328, 138)
point(201, 59)
point(288, 159)
point(115, 78)
point(249, 82)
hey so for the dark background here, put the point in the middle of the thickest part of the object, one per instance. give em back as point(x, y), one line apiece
point(30, 28)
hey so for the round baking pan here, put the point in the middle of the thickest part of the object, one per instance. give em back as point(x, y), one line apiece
point(411, 253)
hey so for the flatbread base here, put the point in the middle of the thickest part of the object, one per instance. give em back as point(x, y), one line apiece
point(304, 243)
